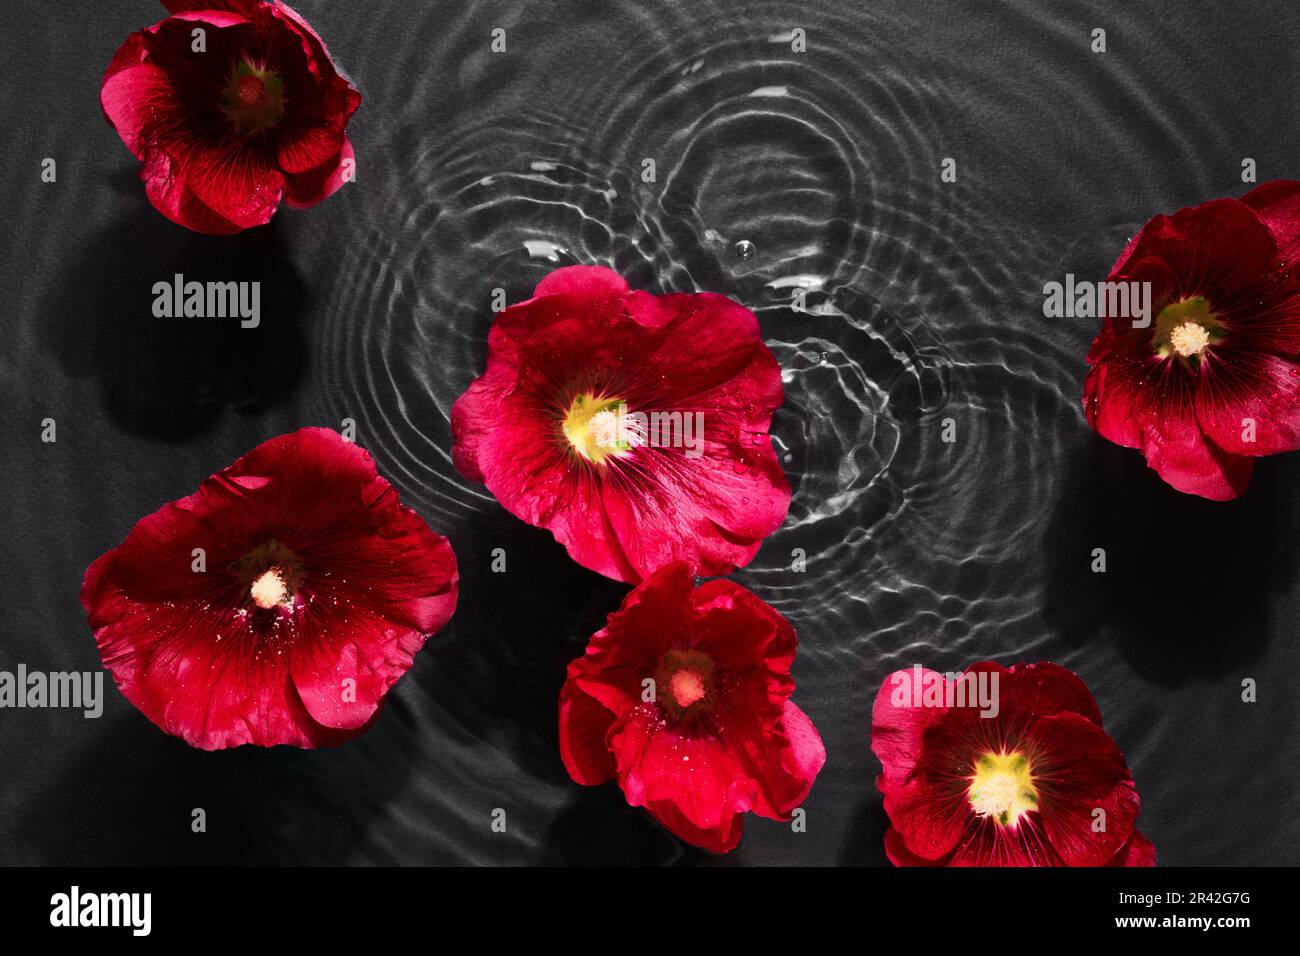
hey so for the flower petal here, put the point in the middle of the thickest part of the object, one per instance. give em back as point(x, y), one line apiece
point(1248, 402)
point(1080, 775)
point(1138, 851)
point(593, 281)
point(1277, 204)
point(689, 783)
point(584, 725)
point(304, 190)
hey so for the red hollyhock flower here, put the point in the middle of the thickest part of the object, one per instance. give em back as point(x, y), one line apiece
point(1214, 381)
point(314, 591)
point(633, 427)
point(227, 127)
point(685, 698)
point(1018, 787)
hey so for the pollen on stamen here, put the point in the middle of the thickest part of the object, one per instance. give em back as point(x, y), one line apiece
point(603, 427)
point(995, 796)
point(269, 589)
point(687, 688)
point(1189, 339)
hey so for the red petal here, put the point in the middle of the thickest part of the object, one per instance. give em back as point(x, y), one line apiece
point(898, 726)
point(1138, 851)
point(594, 281)
point(690, 784)
point(1214, 250)
point(584, 725)
point(236, 182)
point(304, 149)
point(133, 93)
point(1277, 204)
point(1189, 461)
point(1241, 387)
point(172, 197)
point(899, 855)
point(1078, 771)
point(783, 761)
point(236, 6)
point(1153, 406)
point(1030, 691)
point(304, 190)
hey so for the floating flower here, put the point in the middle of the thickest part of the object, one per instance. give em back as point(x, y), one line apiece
point(633, 427)
point(231, 106)
point(1214, 381)
point(684, 697)
point(1002, 767)
point(275, 605)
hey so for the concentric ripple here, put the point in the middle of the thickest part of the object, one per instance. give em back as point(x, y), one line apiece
point(931, 419)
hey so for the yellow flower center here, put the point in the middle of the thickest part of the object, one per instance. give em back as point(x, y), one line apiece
point(1187, 329)
point(269, 589)
point(1002, 787)
point(598, 427)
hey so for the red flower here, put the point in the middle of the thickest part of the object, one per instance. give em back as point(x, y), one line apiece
point(685, 698)
point(1214, 381)
point(231, 106)
point(313, 590)
point(633, 427)
point(1002, 767)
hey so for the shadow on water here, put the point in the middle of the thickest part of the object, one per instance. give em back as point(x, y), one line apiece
point(598, 828)
point(1189, 583)
point(130, 799)
point(865, 843)
point(170, 378)
point(502, 674)
point(502, 678)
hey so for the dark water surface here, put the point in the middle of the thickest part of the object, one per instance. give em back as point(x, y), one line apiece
point(775, 171)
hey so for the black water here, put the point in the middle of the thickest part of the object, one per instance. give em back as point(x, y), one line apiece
point(774, 171)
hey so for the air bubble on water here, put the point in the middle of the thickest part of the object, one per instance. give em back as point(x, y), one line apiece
point(744, 249)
